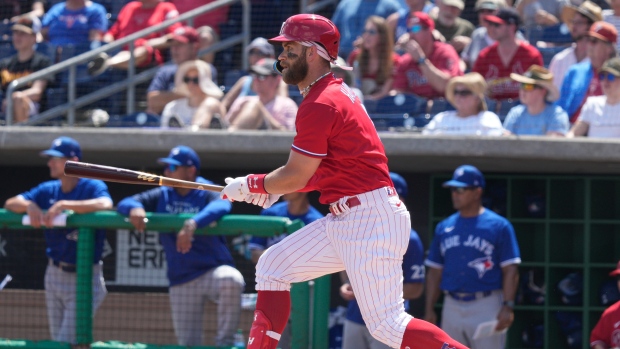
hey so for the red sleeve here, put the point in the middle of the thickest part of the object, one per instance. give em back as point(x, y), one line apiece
point(315, 123)
point(400, 77)
point(353, 56)
point(599, 331)
point(170, 11)
point(123, 17)
point(447, 60)
point(395, 62)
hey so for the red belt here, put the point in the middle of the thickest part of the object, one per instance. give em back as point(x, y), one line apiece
point(338, 208)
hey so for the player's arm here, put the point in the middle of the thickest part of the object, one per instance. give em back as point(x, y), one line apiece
point(580, 129)
point(413, 291)
point(292, 176)
point(510, 280)
point(255, 255)
point(84, 206)
point(19, 204)
point(433, 279)
point(346, 291)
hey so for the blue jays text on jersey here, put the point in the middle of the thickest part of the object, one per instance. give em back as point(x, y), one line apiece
point(472, 251)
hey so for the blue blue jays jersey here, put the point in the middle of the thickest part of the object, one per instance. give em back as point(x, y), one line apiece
point(413, 272)
point(62, 243)
point(281, 210)
point(472, 251)
point(208, 251)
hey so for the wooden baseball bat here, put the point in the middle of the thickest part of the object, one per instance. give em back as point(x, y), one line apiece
point(122, 175)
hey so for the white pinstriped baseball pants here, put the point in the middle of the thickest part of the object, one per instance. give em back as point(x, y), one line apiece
point(368, 241)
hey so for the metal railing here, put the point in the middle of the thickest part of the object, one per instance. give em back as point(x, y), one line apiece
point(310, 300)
point(132, 78)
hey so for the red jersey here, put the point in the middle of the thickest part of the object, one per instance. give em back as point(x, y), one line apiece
point(409, 77)
point(212, 19)
point(489, 64)
point(333, 126)
point(607, 330)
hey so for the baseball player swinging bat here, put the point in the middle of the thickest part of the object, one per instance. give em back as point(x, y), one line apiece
point(121, 175)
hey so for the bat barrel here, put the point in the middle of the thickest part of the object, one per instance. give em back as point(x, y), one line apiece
point(108, 173)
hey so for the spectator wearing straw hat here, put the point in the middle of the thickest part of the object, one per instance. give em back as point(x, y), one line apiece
point(605, 333)
point(600, 115)
point(578, 20)
point(581, 80)
point(471, 117)
point(537, 115)
point(201, 104)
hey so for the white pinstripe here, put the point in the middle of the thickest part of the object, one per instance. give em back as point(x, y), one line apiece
point(369, 241)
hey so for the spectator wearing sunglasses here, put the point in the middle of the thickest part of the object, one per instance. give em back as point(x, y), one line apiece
point(200, 105)
point(428, 64)
point(578, 20)
point(473, 260)
point(605, 334)
point(600, 115)
point(267, 110)
point(200, 267)
point(374, 61)
point(507, 55)
point(536, 115)
point(456, 30)
point(471, 117)
point(397, 22)
point(581, 80)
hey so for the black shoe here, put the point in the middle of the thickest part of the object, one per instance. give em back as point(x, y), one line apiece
point(98, 64)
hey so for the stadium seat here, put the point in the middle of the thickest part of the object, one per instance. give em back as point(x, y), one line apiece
point(557, 34)
point(548, 53)
point(491, 105)
point(139, 119)
point(6, 50)
point(505, 106)
point(384, 122)
point(231, 77)
point(401, 103)
point(47, 49)
point(438, 105)
point(55, 96)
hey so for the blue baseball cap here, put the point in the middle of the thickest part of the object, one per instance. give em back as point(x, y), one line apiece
point(181, 155)
point(63, 147)
point(466, 176)
point(399, 184)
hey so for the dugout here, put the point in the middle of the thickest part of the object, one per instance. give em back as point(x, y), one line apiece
point(573, 183)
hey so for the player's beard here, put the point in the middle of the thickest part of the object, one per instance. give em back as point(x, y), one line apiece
point(297, 71)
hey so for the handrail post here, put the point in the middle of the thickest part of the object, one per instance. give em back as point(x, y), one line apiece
point(72, 82)
point(131, 90)
point(9, 103)
point(300, 315)
point(84, 286)
point(247, 8)
point(320, 312)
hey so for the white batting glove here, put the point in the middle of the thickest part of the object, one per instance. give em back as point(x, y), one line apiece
point(272, 199)
point(236, 189)
point(262, 200)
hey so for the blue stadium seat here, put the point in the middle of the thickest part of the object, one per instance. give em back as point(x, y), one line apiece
point(401, 103)
point(295, 95)
point(548, 53)
point(55, 96)
point(139, 119)
point(384, 121)
point(231, 77)
point(557, 34)
point(505, 106)
point(439, 105)
point(47, 49)
point(492, 105)
point(6, 50)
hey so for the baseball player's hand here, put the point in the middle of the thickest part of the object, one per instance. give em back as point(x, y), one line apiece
point(52, 212)
point(236, 189)
point(431, 316)
point(35, 214)
point(505, 318)
point(346, 292)
point(186, 236)
point(137, 218)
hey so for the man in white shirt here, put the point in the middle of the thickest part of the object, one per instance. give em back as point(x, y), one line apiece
point(578, 20)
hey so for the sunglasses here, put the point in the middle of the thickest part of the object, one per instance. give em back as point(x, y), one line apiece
point(463, 93)
point(255, 52)
point(187, 80)
point(370, 32)
point(416, 28)
point(606, 76)
point(461, 190)
point(529, 87)
point(596, 41)
point(261, 77)
point(171, 167)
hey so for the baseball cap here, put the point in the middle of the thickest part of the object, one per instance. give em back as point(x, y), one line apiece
point(466, 176)
point(422, 19)
point(456, 3)
point(611, 66)
point(616, 272)
point(505, 15)
point(63, 147)
point(181, 155)
point(263, 46)
point(264, 67)
point(27, 24)
point(184, 35)
point(399, 184)
point(604, 31)
point(486, 5)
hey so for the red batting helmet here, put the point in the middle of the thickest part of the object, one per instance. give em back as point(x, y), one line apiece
point(309, 27)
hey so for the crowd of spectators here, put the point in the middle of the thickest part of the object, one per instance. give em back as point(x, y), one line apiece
point(395, 47)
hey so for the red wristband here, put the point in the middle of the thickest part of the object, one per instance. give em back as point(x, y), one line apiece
point(256, 183)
